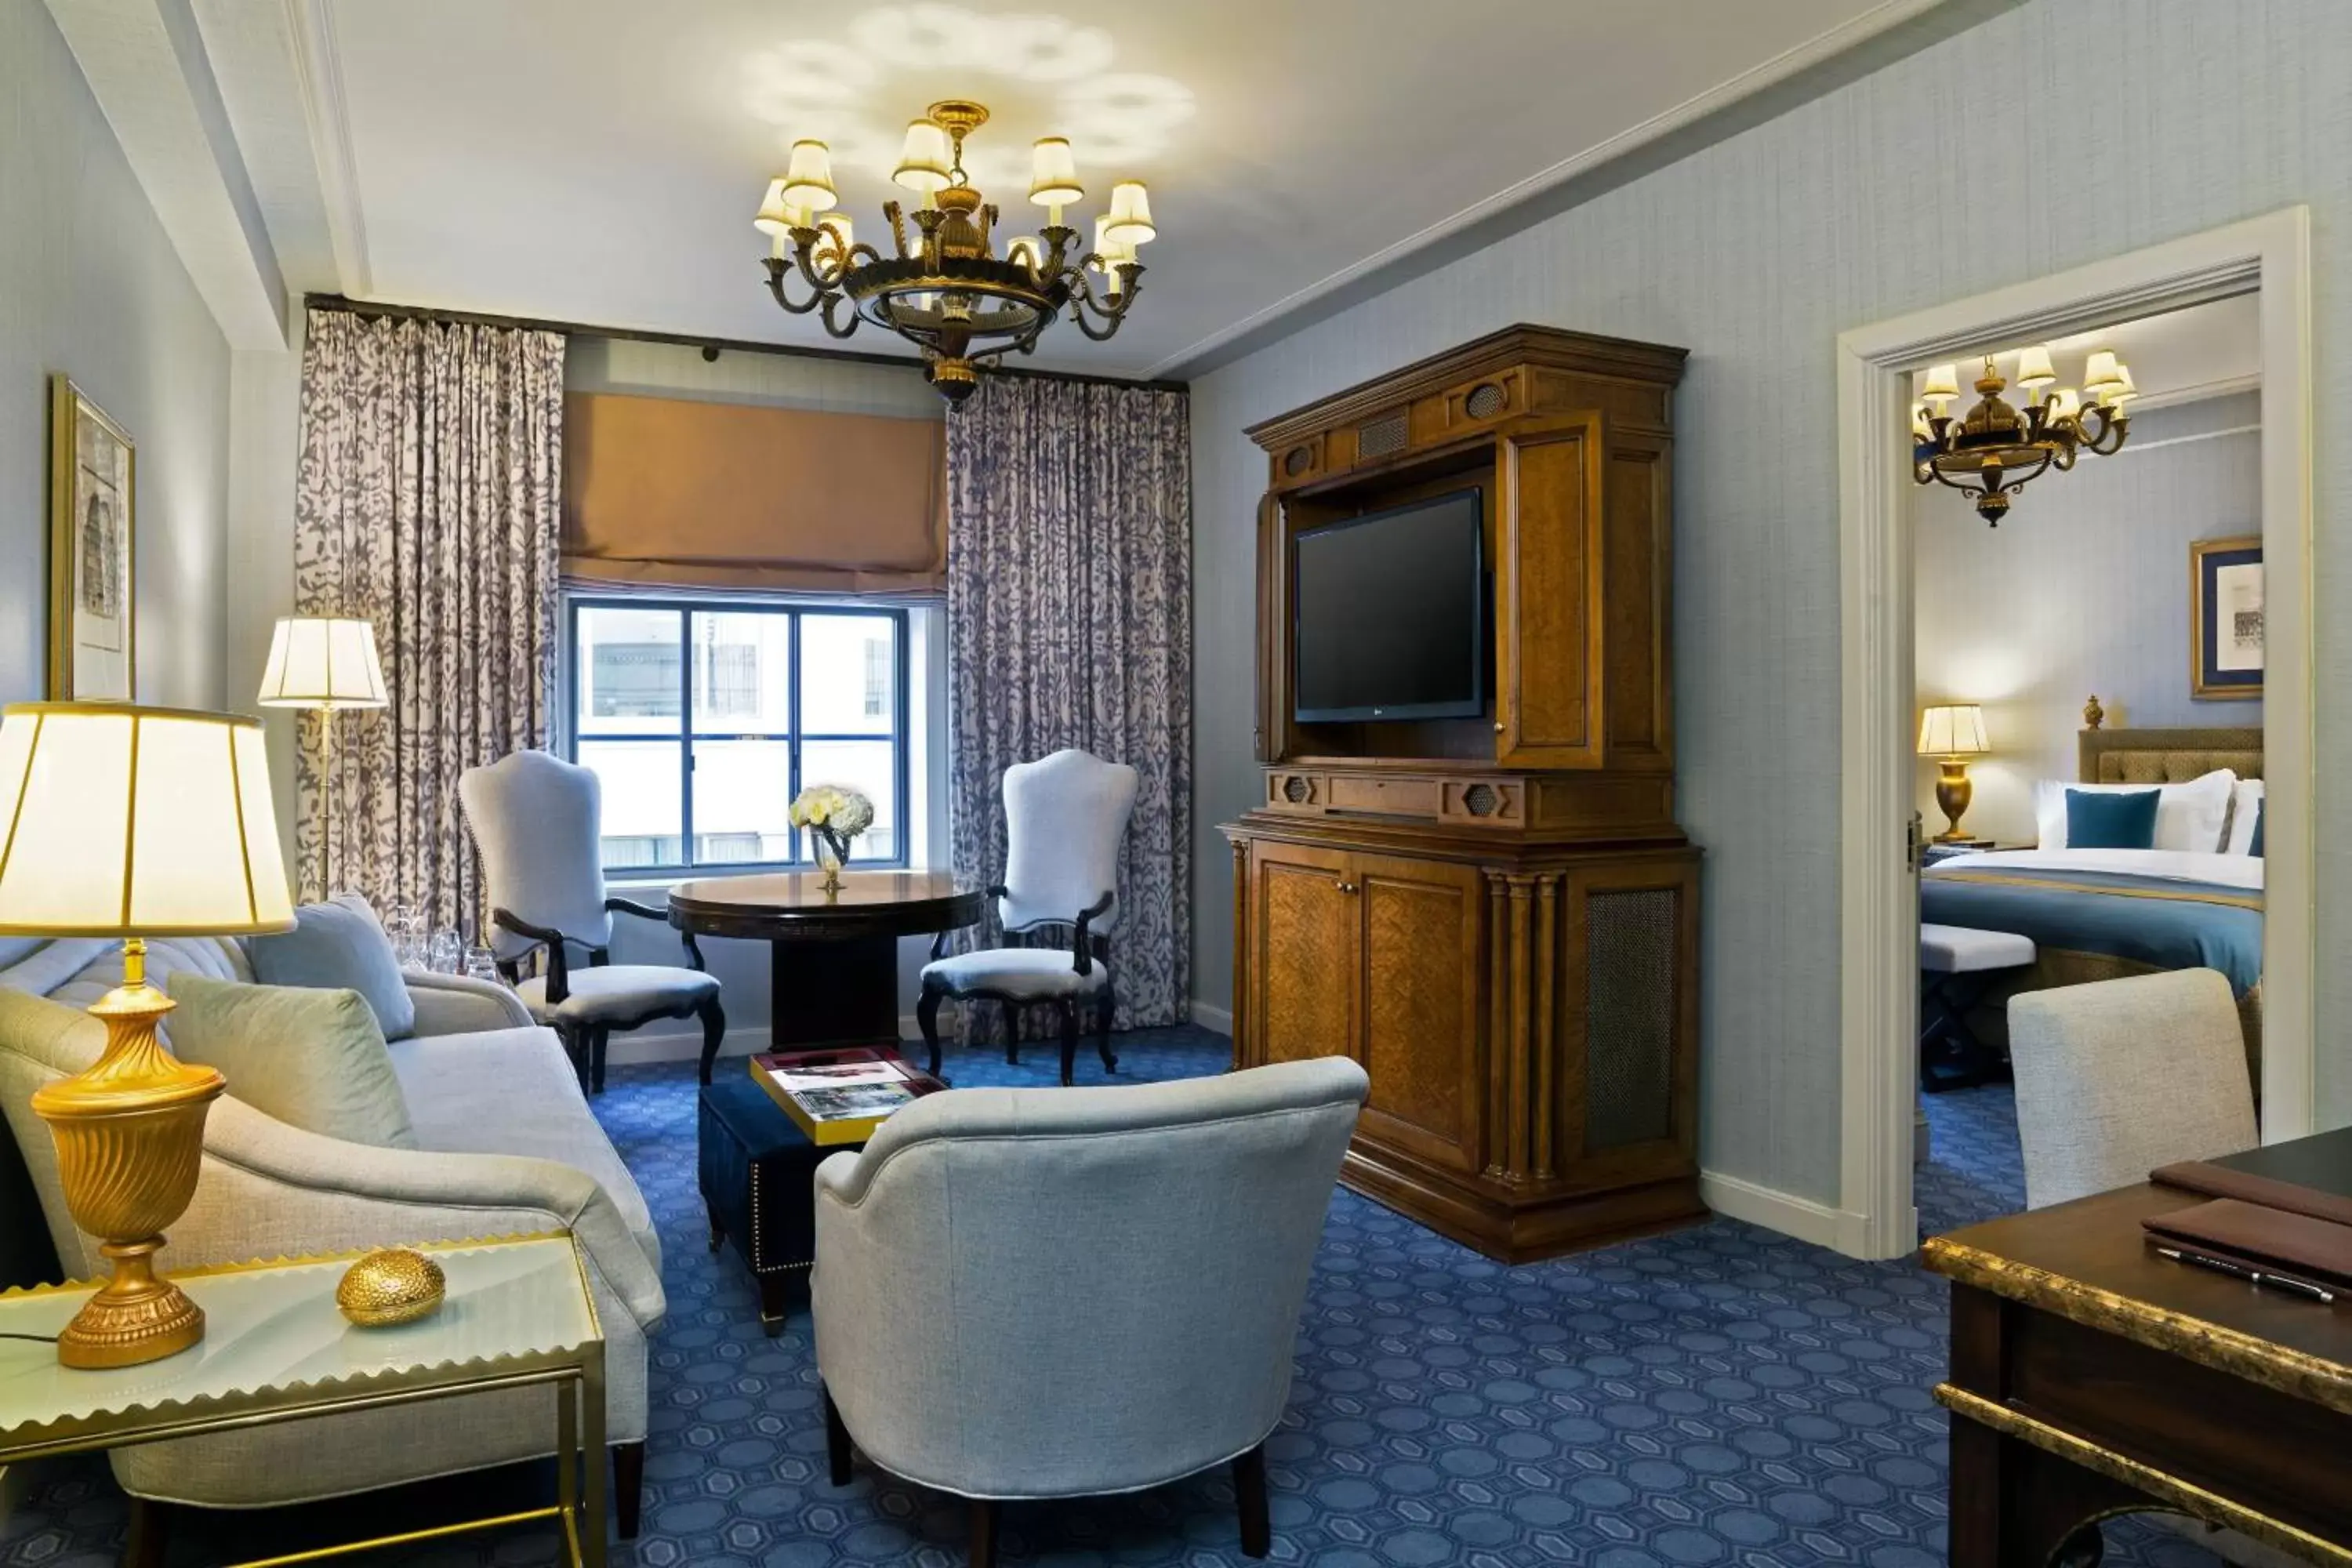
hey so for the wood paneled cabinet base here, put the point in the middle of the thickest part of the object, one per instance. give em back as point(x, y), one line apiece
point(1530, 1023)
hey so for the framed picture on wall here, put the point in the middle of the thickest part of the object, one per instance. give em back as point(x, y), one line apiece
point(2225, 613)
point(93, 527)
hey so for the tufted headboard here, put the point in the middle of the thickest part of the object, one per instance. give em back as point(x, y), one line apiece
point(2167, 756)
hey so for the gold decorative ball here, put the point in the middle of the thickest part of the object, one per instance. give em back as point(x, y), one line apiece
point(393, 1285)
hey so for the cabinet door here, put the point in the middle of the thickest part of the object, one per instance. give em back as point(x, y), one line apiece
point(1424, 1042)
point(1548, 690)
point(1303, 953)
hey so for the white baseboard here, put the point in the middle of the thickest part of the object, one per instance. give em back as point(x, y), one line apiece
point(1209, 1015)
point(1775, 1210)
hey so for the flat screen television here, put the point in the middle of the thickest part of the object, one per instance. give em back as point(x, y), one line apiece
point(1389, 614)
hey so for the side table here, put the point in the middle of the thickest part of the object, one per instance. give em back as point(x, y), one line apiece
point(276, 1348)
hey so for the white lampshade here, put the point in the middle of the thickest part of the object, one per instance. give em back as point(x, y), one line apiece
point(2124, 391)
point(808, 178)
point(924, 160)
point(2065, 404)
point(1943, 383)
point(776, 213)
point(127, 821)
point(1054, 174)
point(2034, 368)
point(1110, 252)
point(322, 661)
point(1130, 214)
point(2102, 372)
point(1954, 731)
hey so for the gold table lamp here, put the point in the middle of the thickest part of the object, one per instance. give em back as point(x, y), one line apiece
point(123, 821)
point(328, 663)
point(1952, 734)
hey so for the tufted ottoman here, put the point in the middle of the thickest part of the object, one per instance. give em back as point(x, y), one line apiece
point(757, 1172)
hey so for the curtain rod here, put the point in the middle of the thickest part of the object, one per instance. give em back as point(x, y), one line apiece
point(710, 345)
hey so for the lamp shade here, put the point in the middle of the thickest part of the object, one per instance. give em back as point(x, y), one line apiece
point(322, 661)
point(775, 215)
point(2102, 372)
point(808, 178)
point(1943, 382)
point(1956, 730)
point(1130, 214)
point(1054, 174)
point(2034, 368)
point(1111, 251)
point(125, 821)
point(924, 160)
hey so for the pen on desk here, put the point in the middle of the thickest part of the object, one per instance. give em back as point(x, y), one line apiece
point(2252, 1275)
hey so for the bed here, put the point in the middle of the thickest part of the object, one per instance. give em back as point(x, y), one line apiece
point(2102, 914)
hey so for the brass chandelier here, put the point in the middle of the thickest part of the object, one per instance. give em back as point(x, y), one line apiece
point(949, 291)
point(1992, 451)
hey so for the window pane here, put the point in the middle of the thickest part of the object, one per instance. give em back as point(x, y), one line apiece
point(742, 801)
point(849, 677)
point(867, 765)
point(644, 820)
point(629, 673)
point(743, 670)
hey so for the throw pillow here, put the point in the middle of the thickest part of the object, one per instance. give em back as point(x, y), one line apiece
point(2102, 820)
point(2254, 846)
point(2187, 816)
point(340, 945)
point(313, 1059)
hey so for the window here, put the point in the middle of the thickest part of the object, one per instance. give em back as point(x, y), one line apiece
point(703, 718)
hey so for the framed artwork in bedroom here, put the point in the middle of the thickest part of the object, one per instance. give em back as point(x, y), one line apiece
point(2225, 616)
point(93, 519)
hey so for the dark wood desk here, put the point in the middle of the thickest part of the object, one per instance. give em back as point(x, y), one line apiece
point(2091, 1376)
point(833, 958)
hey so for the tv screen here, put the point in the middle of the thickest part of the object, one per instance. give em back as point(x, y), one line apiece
point(1389, 614)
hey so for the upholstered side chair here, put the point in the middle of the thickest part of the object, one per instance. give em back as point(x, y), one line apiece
point(534, 820)
point(971, 1218)
point(1066, 817)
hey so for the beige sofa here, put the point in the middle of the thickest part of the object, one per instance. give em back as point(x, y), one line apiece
point(507, 1145)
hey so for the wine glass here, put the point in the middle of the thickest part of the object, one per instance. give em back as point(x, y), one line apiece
point(445, 953)
point(481, 964)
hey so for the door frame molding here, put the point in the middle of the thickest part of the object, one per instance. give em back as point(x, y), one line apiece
point(1878, 892)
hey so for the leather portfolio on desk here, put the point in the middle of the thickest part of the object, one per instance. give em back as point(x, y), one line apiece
point(2287, 1207)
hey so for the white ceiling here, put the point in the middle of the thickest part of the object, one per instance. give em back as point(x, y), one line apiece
point(599, 161)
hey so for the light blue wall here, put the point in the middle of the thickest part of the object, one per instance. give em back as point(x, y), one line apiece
point(2050, 136)
point(89, 285)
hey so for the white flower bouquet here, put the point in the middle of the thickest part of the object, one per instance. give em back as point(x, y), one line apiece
point(834, 815)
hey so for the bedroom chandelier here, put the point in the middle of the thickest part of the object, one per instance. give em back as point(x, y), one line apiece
point(949, 292)
point(1992, 451)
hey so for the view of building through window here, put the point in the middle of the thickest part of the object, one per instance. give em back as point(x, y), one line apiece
point(703, 721)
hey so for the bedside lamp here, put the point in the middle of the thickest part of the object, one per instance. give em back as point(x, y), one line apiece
point(1952, 734)
point(327, 663)
point(130, 822)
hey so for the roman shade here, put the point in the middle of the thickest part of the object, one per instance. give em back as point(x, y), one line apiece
point(673, 493)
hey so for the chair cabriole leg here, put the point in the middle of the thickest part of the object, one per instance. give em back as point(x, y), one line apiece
point(1249, 1491)
point(628, 1486)
point(836, 1443)
point(1068, 1009)
point(987, 1513)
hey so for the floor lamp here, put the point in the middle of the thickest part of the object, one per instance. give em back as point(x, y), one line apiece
point(327, 663)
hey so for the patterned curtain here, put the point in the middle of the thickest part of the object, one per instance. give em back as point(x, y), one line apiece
point(428, 500)
point(1070, 623)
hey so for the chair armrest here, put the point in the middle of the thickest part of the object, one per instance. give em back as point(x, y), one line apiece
point(558, 977)
point(631, 907)
point(268, 1190)
point(461, 1005)
point(1081, 956)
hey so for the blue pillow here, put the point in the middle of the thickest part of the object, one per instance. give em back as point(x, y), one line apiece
point(2112, 819)
point(2256, 846)
point(340, 945)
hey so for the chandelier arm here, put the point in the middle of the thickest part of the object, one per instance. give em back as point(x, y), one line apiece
point(804, 252)
point(833, 301)
point(777, 272)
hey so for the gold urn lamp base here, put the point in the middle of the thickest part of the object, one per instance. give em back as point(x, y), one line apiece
point(129, 1135)
point(1953, 793)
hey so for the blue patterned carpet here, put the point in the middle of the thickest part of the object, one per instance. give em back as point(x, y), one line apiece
point(1719, 1395)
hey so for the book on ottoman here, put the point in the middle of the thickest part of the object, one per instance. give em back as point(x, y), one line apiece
point(839, 1096)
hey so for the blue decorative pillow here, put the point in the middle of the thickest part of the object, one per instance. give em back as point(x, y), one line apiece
point(2111, 820)
point(340, 945)
point(2256, 846)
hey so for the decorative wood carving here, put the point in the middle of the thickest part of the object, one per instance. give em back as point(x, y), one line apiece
point(1499, 916)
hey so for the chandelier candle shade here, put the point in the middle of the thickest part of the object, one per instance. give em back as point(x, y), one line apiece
point(1992, 451)
point(1953, 734)
point(948, 286)
point(130, 822)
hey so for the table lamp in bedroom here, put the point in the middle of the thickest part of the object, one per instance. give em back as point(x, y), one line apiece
point(128, 822)
point(1952, 734)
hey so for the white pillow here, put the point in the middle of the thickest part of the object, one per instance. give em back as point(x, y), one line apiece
point(2245, 810)
point(2187, 816)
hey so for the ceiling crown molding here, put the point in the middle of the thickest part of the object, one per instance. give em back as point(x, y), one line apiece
point(319, 73)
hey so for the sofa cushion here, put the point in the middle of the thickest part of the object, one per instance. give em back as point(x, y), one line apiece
point(212, 957)
point(513, 1091)
point(314, 1059)
point(339, 944)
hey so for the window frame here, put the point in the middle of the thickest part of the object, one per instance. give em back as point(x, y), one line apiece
point(685, 606)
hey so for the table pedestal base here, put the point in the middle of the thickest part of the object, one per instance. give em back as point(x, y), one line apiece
point(836, 992)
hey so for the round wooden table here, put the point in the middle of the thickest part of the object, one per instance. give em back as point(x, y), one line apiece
point(834, 960)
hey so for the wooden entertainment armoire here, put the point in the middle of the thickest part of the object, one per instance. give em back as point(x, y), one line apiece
point(1497, 916)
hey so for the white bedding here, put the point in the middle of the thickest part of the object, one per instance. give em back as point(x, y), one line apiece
point(2243, 871)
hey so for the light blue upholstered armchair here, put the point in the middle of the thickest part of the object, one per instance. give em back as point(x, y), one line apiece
point(1066, 817)
point(1177, 1221)
point(535, 821)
